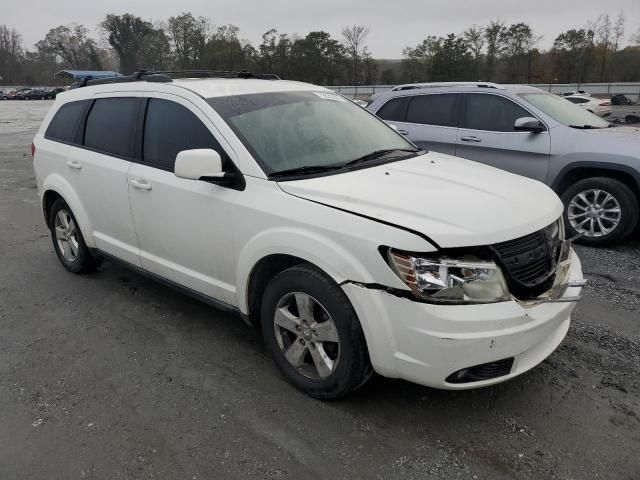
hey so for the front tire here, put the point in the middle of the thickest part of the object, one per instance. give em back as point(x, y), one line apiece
point(68, 241)
point(313, 333)
point(601, 209)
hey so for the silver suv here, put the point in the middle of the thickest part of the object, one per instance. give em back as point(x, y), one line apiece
point(593, 167)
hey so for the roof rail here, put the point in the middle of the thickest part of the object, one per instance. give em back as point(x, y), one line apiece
point(165, 76)
point(411, 86)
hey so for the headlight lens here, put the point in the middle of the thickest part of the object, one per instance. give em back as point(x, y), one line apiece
point(450, 281)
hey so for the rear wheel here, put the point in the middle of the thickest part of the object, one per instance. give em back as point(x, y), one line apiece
point(313, 334)
point(602, 210)
point(68, 242)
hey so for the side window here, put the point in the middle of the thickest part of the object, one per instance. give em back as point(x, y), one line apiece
point(490, 112)
point(440, 109)
point(170, 128)
point(111, 126)
point(64, 122)
point(394, 110)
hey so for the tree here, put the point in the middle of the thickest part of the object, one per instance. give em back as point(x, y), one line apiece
point(518, 41)
point(70, 43)
point(155, 50)
point(618, 31)
point(417, 62)
point(570, 51)
point(388, 77)
point(11, 54)
point(452, 59)
point(494, 34)
point(225, 50)
point(126, 34)
point(354, 36)
point(188, 36)
point(269, 49)
point(474, 36)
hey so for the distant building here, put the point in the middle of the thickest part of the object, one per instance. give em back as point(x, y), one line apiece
point(80, 74)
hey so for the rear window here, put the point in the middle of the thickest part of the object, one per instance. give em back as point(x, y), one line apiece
point(63, 126)
point(437, 109)
point(394, 110)
point(111, 126)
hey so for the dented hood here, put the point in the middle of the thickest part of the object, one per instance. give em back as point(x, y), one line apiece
point(453, 201)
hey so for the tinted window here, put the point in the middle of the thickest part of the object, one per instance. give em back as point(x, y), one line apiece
point(111, 126)
point(491, 112)
point(394, 110)
point(170, 128)
point(65, 121)
point(437, 109)
point(577, 100)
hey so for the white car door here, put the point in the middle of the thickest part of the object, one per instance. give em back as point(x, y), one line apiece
point(98, 172)
point(183, 226)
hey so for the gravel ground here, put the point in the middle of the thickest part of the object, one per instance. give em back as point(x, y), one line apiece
point(114, 376)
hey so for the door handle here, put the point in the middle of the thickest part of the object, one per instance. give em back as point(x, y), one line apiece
point(471, 139)
point(139, 184)
point(73, 164)
point(403, 132)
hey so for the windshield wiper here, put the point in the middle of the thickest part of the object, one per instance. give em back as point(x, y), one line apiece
point(307, 169)
point(377, 154)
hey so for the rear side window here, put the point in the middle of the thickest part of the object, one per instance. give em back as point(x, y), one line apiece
point(394, 110)
point(111, 126)
point(63, 126)
point(170, 128)
point(436, 109)
point(491, 113)
point(577, 100)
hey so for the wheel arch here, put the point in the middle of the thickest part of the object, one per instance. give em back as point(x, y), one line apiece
point(55, 186)
point(577, 171)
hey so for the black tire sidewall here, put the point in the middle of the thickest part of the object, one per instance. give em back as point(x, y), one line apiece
point(625, 197)
point(353, 368)
point(84, 260)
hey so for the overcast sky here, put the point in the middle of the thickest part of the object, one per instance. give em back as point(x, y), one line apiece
point(393, 24)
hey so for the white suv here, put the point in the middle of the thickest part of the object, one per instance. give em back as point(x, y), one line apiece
point(353, 250)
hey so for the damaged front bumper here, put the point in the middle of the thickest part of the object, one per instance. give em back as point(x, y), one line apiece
point(427, 343)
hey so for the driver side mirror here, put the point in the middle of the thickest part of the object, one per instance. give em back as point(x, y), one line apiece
point(528, 124)
point(201, 163)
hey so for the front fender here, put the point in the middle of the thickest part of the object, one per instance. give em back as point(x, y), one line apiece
point(62, 187)
point(317, 249)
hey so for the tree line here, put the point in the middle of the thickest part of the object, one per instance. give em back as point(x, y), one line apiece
point(492, 52)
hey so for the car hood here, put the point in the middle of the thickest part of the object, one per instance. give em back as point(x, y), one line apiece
point(620, 141)
point(452, 201)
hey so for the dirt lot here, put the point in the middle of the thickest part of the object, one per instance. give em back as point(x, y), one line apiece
point(113, 376)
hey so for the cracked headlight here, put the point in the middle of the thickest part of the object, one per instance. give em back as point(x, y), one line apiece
point(444, 280)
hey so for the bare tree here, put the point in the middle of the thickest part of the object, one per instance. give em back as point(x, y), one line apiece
point(10, 54)
point(618, 31)
point(475, 40)
point(354, 36)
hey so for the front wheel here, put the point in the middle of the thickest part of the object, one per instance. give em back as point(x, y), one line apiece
point(602, 210)
point(313, 333)
point(68, 241)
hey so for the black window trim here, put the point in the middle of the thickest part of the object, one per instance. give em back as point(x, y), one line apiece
point(412, 96)
point(463, 105)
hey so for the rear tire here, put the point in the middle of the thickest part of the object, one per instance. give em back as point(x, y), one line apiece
point(68, 242)
point(605, 217)
point(313, 333)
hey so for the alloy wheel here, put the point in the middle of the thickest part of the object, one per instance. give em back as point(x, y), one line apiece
point(307, 335)
point(594, 213)
point(66, 235)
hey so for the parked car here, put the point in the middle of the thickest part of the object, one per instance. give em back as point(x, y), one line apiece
point(33, 94)
point(602, 108)
point(15, 94)
point(284, 202)
point(524, 130)
point(620, 99)
point(571, 93)
point(52, 92)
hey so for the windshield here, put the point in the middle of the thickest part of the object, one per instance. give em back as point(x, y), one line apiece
point(308, 130)
point(563, 111)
